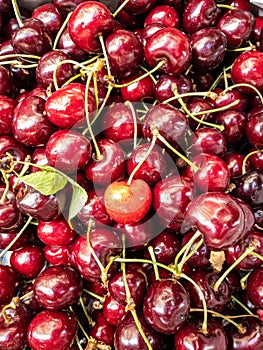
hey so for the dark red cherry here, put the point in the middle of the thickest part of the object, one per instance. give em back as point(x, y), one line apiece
point(166, 306)
point(67, 45)
point(7, 237)
point(191, 335)
point(31, 38)
point(65, 107)
point(29, 299)
point(243, 5)
point(28, 261)
point(128, 203)
point(208, 48)
point(57, 287)
point(171, 46)
point(234, 162)
point(50, 17)
point(102, 331)
point(137, 91)
point(68, 150)
point(110, 167)
point(50, 62)
point(256, 31)
point(226, 98)
point(131, 49)
point(255, 287)
point(30, 125)
point(164, 14)
point(256, 159)
point(7, 83)
point(137, 7)
point(105, 243)
point(145, 33)
point(38, 157)
point(50, 329)
point(254, 128)
point(170, 199)
point(7, 107)
point(87, 22)
point(206, 15)
point(18, 151)
point(65, 7)
point(234, 123)
point(10, 216)
point(247, 69)
point(128, 337)
point(8, 283)
point(113, 311)
point(57, 255)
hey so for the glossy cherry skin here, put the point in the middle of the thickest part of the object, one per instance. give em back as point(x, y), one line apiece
point(234, 123)
point(199, 14)
point(67, 45)
point(10, 217)
point(7, 237)
point(50, 17)
point(88, 21)
point(127, 336)
point(208, 48)
point(105, 243)
point(102, 331)
point(170, 199)
point(31, 38)
point(190, 335)
point(30, 126)
point(8, 283)
point(142, 90)
point(124, 51)
point(234, 162)
point(164, 14)
point(226, 98)
point(138, 7)
point(47, 65)
point(28, 261)
point(251, 338)
point(171, 46)
point(216, 300)
point(213, 173)
point(68, 150)
point(254, 129)
point(57, 255)
point(145, 33)
point(50, 329)
point(247, 68)
point(166, 306)
point(128, 204)
point(249, 187)
point(57, 287)
point(110, 167)
point(7, 86)
point(137, 286)
point(13, 334)
point(113, 311)
point(255, 287)
point(56, 232)
point(65, 7)
point(207, 140)
point(253, 238)
point(7, 107)
point(65, 108)
point(243, 5)
point(219, 217)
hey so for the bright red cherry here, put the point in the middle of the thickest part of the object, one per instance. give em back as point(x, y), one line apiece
point(128, 203)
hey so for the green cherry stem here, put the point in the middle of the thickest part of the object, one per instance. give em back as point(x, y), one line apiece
point(215, 110)
point(230, 88)
point(14, 303)
point(243, 281)
point(247, 252)
point(61, 30)
point(103, 104)
point(91, 248)
point(241, 49)
point(94, 295)
point(23, 171)
point(79, 323)
point(205, 94)
point(155, 267)
point(100, 36)
point(7, 185)
point(17, 13)
point(246, 158)
point(130, 105)
point(188, 255)
point(88, 317)
point(242, 305)
point(120, 8)
point(25, 296)
point(78, 342)
point(228, 7)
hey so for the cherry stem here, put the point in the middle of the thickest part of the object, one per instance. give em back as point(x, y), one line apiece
point(201, 295)
point(186, 248)
point(241, 49)
point(243, 281)
point(128, 103)
point(246, 158)
point(103, 104)
point(230, 88)
point(96, 91)
point(225, 78)
point(155, 267)
point(97, 151)
point(79, 324)
point(23, 171)
point(159, 65)
point(120, 8)
point(75, 63)
point(247, 252)
point(25, 296)
point(3, 252)
point(226, 6)
point(242, 305)
point(14, 303)
point(188, 255)
point(90, 321)
point(151, 76)
point(78, 343)
point(91, 248)
point(215, 110)
point(7, 185)
point(17, 13)
point(146, 155)
point(61, 30)
point(94, 295)
point(104, 274)
point(210, 94)
point(105, 56)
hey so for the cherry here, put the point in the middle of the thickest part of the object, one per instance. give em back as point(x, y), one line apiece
point(28, 299)
point(47, 65)
point(7, 86)
point(243, 5)
point(234, 123)
point(8, 283)
point(13, 333)
point(18, 151)
point(50, 17)
point(170, 46)
point(88, 21)
point(50, 329)
point(128, 337)
point(56, 232)
point(131, 50)
point(66, 44)
point(104, 242)
point(190, 334)
point(137, 91)
point(226, 98)
point(163, 14)
point(208, 48)
point(68, 150)
point(254, 129)
point(65, 108)
point(170, 199)
point(215, 300)
point(28, 261)
point(254, 287)
point(113, 311)
point(145, 33)
point(57, 287)
point(102, 331)
point(31, 38)
point(66, 6)
point(234, 162)
point(10, 216)
point(197, 105)
point(111, 165)
point(7, 107)
point(166, 306)
point(7, 237)
point(30, 126)
point(137, 7)
point(38, 157)
point(256, 31)
point(206, 15)
point(57, 255)
point(128, 203)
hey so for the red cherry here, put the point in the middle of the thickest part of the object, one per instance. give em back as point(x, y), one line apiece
point(128, 204)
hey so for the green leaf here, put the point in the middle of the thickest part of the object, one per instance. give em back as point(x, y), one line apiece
point(46, 182)
point(78, 200)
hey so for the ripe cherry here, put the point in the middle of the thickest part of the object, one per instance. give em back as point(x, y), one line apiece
point(164, 14)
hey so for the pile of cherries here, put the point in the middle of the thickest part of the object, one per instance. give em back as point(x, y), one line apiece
point(131, 185)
